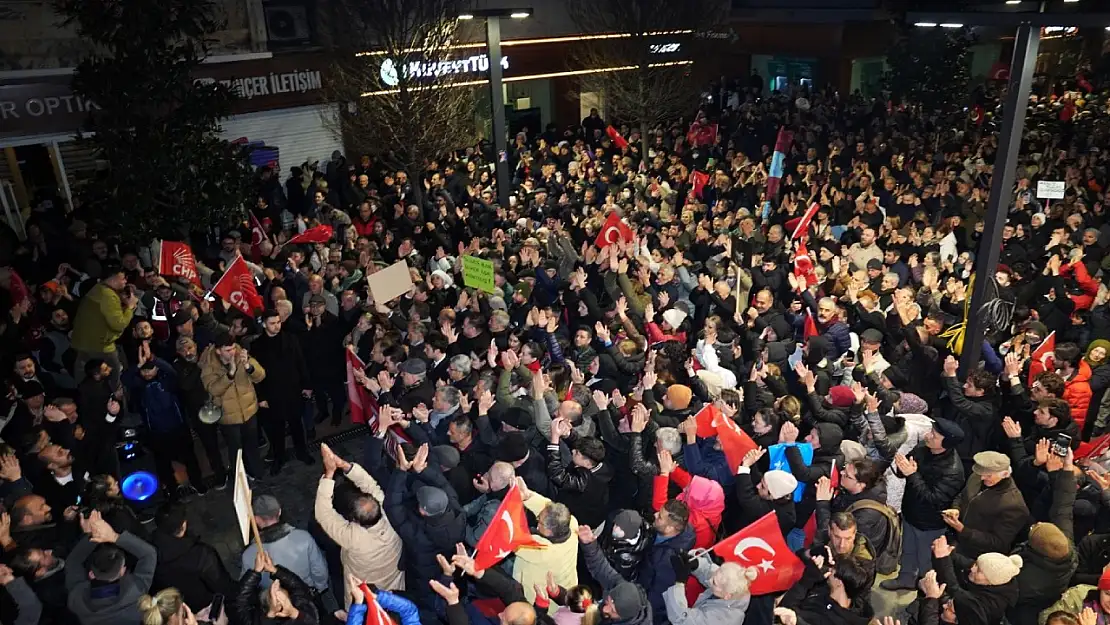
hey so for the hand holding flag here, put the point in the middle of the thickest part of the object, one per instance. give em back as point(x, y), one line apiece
point(506, 533)
point(761, 546)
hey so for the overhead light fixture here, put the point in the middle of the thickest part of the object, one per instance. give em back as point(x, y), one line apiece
point(925, 24)
point(1013, 1)
point(519, 15)
point(1070, 1)
point(951, 25)
point(466, 16)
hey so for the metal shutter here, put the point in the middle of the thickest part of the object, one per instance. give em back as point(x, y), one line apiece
point(300, 134)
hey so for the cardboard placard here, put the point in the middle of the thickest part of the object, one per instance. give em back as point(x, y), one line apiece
point(1050, 190)
point(390, 283)
point(241, 499)
point(478, 273)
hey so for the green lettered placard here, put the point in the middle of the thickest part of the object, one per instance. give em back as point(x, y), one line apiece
point(478, 273)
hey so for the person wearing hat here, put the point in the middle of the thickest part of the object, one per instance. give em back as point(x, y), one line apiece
point(1094, 597)
point(671, 328)
point(513, 447)
point(412, 388)
point(990, 512)
point(990, 588)
point(758, 494)
point(321, 336)
point(934, 476)
point(432, 527)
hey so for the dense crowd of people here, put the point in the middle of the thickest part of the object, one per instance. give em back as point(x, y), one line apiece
point(577, 387)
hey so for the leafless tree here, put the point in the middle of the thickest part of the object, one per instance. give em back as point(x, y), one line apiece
point(649, 45)
point(399, 82)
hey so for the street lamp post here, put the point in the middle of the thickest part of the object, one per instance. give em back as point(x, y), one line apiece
point(497, 93)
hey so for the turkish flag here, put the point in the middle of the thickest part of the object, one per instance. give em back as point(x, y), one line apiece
point(810, 528)
point(507, 532)
point(699, 179)
point(999, 71)
point(803, 264)
point(707, 419)
point(1093, 448)
point(809, 327)
point(1043, 358)
point(236, 287)
point(613, 230)
point(801, 227)
point(375, 613)
point(761, 546)
point(618, 140)
point(176, 259)
point(976, 115)
point(319, 234)
point(364, 407)
point(734, 442)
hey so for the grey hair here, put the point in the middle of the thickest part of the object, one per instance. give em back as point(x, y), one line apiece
point(827, 300)
point(500, 475)
point(891, 274)
point(284, 307)
point(461, 363)
point(554, 521)
point(450, 395)
point(734, 580)
point(501, 317)
point(669, 439)
point(183, 341)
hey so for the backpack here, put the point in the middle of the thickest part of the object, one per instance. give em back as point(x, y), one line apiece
point(887, 556)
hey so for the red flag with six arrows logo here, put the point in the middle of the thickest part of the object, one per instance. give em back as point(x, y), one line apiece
point(176, 259)
point(761, 546)
point(237, 288)
point(507, 532)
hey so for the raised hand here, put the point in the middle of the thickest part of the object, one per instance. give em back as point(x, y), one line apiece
point(930, 587)
point(639, 418)
point(941, 548)
point(667, 464)
point(586, 535)
point(753, 457)
point(1011, 428)
point(906, 466)
point(788, 433)
point(824, 489)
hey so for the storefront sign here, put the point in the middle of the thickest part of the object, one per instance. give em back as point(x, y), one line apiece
point(41, 107)
point(250, 87)
point(477, 64)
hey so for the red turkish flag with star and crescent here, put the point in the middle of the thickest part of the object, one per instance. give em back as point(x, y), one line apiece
point(375, 613)
point(176, 259)
point(707, 419)
point(237, 288)
point(616, 138)
point(1043, 357)
point(364, 406)
point(803, 264)
point(319, 234)
point(507, 532)
point(735, 443)
point(613, 230)
point(761, 546)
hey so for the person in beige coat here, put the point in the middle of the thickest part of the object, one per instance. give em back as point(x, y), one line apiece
point(370, 548)
point(229, 374)
point(558, 545)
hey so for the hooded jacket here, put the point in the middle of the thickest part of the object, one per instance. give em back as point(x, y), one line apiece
point(193, 567)
point(829, 437)
point(702, 496)
point(624, 556)
point(100, 321)
point(975, 604)
point(1042, 578)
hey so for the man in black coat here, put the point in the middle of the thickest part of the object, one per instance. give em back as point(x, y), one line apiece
point(280, 395)
point(934, 476)
point(321, 337)
point(186, 563)
point(193, 396)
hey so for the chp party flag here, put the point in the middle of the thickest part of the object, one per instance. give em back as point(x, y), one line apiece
point(616, 137)
point(1043, 358)
point(613, 230)
point(506, 532)
point(176, 259)
point(776, 454)
point(734, 442)
point(760, 546)
point(236, 287)
point(364, 406)
point(319, 234)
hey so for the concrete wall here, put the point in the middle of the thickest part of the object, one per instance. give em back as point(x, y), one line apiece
point(32, 36)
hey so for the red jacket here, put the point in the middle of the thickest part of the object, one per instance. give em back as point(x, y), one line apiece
point(1086, 299)
point(1077, 392)
point(655, 334)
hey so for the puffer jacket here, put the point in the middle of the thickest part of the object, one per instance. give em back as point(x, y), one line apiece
point(975, 604)
point(100, 321)
point(624, 556)
point(1077, 392)
point(236, 396)
point(246, 609)
point(703, 497)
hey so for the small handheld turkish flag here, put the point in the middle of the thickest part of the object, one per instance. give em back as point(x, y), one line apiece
point(707, 419)
point(614, 230)
point(375, 613)
point(734, 442)
point(507, 532)
point(616, 137)
point(1043, 358)
point(761, 546)
point(176, 259)
point(237, 288)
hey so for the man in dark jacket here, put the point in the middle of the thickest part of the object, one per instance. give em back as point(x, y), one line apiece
point(186, 563)
point(934, 476)
point(583, 485)
point(984, 588)
point(975, 409)
point(193, 396)
point(990, 512)
point(289, 597)
point(108, 591)
point(321, 338)
point(281, 394)
point(429, 521)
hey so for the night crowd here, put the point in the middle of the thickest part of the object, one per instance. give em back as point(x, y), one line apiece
point(578, 386)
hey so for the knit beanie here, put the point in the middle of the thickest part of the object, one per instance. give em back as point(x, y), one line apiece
point(909, 403)
point(779, 483)
point(628, 602)
point(680, 395)
point(997, 568)
point(1047, 540)
point(841, 397)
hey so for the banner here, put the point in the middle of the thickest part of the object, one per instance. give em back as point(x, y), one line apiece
point(176, 259)
point(236, 287)
point(478, 273)
point(760, 546)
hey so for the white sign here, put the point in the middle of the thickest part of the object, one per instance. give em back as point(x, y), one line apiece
point(664, 48)
point(250, 87)
point(1050, 190)
point(477, 64)
point(241, 499)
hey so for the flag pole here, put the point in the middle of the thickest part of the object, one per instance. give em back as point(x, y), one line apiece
point(226, 271)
